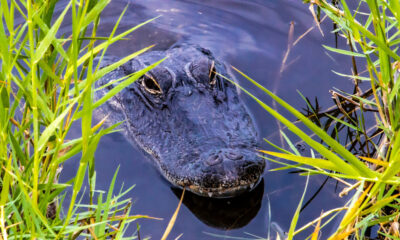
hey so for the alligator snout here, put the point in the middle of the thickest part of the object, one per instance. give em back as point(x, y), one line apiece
point(225, 173)
point(189, 120)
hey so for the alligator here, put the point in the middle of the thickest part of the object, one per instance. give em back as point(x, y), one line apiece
point(189, 119)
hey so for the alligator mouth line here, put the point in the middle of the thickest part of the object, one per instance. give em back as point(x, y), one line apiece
point(218, 192)
point(222, 192)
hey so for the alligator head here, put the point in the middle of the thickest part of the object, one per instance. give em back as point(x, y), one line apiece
point(189, 119)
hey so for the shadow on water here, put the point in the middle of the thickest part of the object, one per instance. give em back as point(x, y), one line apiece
point(224, 213)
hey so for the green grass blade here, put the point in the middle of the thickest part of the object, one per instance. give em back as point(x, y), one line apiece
point(48, 132)
point(297, 213)
point(315, 162)
point(50, 37)
point(356, 164)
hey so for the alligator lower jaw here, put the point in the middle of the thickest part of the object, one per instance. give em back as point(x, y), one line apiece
point(222, 192)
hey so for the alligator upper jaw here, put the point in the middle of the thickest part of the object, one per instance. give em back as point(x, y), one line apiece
point(223, 192)
point(237, 171)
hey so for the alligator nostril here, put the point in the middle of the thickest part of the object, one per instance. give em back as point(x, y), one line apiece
point(233, 155)
point(213, 160)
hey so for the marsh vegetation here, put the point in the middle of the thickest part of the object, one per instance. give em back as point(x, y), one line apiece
point(46, 87)
point(356, 141)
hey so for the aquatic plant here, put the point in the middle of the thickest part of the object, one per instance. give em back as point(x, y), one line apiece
point(46, 87)
point(371, 29)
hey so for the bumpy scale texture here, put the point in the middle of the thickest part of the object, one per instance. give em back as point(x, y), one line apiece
point(189, 120)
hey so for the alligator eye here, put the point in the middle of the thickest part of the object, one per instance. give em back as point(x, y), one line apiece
point(213, 73)
point(151, 85)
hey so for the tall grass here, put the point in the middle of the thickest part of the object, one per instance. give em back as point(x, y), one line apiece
point(46, 84)
point(372, 30)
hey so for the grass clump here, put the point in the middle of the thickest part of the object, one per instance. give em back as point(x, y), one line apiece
point(46, 85)
point(362, 153)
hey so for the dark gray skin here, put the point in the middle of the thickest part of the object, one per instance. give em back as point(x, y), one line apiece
point(189, 120)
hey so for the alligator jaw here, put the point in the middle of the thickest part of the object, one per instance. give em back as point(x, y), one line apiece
point(222, 192)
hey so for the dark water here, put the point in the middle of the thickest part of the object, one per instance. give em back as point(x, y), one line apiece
point(252, 36)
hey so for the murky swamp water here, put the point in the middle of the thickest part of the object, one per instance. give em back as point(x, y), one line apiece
point(253, 37)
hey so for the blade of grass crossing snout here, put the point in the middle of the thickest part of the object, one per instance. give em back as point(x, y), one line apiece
point(125, 83)
point(173, 218)
point(297, 213)
point(355, 165)
point(100, 73)
point(135, 76)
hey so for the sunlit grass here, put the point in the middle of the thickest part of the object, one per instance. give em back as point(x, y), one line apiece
point(372, 37)
point(47, 84)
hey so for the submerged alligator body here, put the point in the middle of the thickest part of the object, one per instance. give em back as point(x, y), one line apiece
point(189, 119)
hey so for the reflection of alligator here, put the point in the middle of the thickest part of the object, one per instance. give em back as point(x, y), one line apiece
point(225, 213)
point(189, 120)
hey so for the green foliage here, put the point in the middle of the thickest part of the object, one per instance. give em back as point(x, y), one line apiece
point(47, 84)
point(373, 37)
